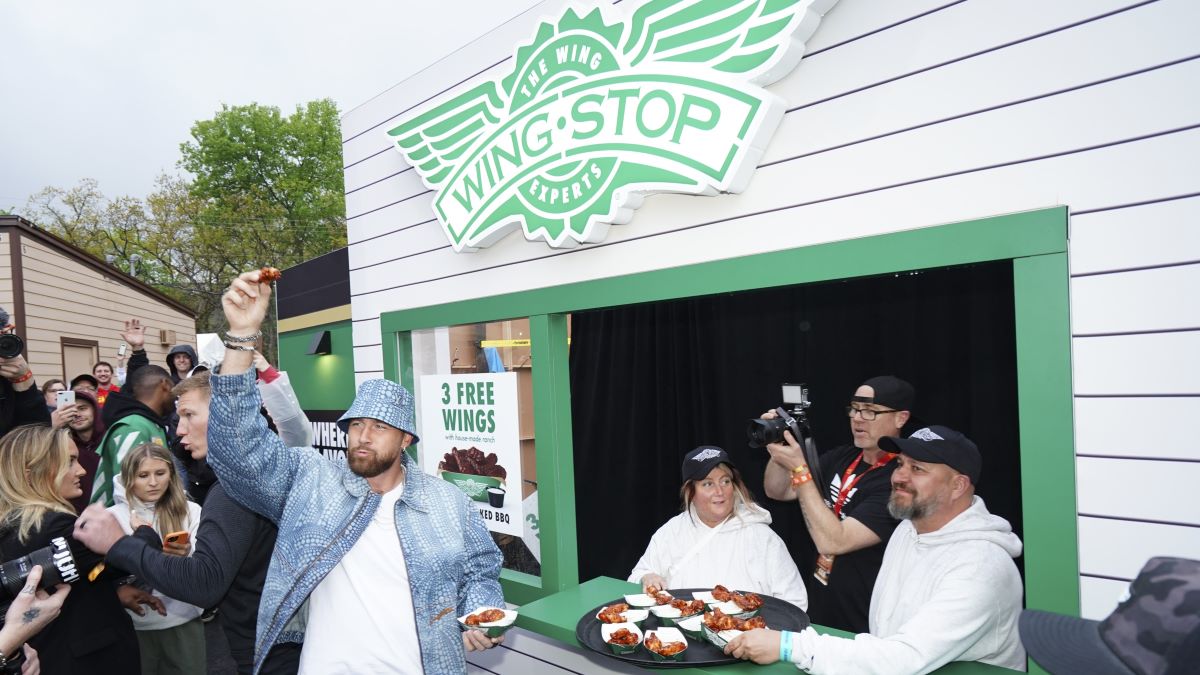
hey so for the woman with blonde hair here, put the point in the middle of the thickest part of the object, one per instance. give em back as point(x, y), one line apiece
point(721, 537)
point(172, 643)
point(39, 475)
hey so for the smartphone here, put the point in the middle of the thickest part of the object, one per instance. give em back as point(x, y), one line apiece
point(64, 399)
point(180, 537)
point(121, 350)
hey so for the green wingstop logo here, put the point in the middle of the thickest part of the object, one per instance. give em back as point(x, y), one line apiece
point(600, 110)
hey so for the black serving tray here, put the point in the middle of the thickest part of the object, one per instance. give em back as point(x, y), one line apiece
point(778, 614)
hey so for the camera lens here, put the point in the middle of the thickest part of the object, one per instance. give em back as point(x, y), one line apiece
point(761, 432)
point(58, 566)
point(11, 345)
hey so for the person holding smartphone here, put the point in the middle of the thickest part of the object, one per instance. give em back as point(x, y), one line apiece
point(170, 643)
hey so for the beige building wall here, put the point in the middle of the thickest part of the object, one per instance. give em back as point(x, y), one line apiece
point(6, 286)
point(66, 298)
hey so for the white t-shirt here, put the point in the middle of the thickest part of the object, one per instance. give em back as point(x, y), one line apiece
point(361, 617)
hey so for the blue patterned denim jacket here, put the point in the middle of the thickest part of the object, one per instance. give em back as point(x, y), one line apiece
point(322, 508)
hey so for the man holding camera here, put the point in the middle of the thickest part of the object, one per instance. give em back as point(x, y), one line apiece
point(20, 400)
point(847, 517)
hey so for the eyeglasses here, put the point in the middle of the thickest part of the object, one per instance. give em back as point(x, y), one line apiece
point(867, 414)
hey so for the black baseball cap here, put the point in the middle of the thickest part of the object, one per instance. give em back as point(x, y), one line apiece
point(85, 378)
point(700, 462)
point(890, 391)
point(1152, 632)
point(939, 445)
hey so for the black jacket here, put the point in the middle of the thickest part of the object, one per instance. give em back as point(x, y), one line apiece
point(122, 404)
point(17, 408)
point(94, 633)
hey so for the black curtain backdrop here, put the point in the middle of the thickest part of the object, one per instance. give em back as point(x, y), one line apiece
point(650, 382)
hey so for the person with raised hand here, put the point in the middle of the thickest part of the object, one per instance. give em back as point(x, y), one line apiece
point(384, 556)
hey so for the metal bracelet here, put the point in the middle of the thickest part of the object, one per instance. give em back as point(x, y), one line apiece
point(238, 348)
point(249, 338)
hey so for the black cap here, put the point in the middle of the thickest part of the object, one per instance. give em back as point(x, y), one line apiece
point(1154, 630)
point(891, 391)
point(939, 445)
point(700, 462)
point(85, 378)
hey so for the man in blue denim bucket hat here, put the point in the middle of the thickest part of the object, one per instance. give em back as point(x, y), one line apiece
point(383, 556)
point(381, 401)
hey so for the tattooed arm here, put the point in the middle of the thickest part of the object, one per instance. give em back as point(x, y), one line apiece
point(30, 612)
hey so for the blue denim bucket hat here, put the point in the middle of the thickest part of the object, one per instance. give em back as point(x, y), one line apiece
point(385, 401)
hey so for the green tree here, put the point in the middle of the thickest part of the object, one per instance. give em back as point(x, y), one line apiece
point(271, 183)
point(267, 191)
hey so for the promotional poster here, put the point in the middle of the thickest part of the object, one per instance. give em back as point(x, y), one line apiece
point(470, 437)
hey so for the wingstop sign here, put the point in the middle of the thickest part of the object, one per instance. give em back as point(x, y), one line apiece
point(603, 107)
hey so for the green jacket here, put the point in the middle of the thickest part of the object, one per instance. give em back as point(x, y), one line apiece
point(124, 435)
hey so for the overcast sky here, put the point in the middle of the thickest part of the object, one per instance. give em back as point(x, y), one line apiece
point(108, 90)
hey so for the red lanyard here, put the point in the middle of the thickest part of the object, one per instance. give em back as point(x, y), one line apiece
point(849, 480)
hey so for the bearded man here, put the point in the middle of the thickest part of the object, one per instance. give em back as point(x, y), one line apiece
point(385, 555)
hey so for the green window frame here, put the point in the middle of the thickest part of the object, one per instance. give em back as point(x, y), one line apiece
point(1035, 242)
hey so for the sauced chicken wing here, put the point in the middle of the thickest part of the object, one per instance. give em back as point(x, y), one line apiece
point(664, 648)
point(717, 620)
point(688, 608)
point(748, 602)
point(613, 613)
point(660, 596)
point(720, 593)
point(486, 616)
point(623, 636)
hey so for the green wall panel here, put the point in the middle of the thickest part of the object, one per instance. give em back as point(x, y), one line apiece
point(321, 382)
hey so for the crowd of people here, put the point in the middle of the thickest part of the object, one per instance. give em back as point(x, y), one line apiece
point(168, 521)
point(150, 499)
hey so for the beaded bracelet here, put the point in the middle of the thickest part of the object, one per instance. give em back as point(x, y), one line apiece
point(237, 338)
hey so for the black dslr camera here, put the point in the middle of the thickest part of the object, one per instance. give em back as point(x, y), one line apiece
point(11, 345)
point(58, 567)
point(761, 432)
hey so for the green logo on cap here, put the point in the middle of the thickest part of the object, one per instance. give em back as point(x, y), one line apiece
point(600, 110)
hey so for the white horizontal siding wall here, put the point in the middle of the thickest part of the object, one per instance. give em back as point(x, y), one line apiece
point(909, 114)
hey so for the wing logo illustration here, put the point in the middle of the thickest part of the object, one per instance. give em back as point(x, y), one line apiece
point(604, 106)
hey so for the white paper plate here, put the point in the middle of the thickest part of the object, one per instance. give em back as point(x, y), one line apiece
point(631, 615)
point(729, 607)
point(665, 611)
point(492, 628)
point(640, 600)
point(667, 635)
point(610, 628)
point(706, 596)
point(692, 624)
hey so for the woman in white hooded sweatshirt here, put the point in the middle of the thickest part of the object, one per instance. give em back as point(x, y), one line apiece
point(721, 537)
point(171, 642)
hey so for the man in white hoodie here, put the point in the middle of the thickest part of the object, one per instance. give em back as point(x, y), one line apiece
point(948, 589)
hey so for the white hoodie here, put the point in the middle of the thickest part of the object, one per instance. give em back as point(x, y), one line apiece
point(744, 554)
point(178, 611)
point(949, 595)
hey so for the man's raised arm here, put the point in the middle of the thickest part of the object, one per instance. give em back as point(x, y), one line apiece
point(253, 464)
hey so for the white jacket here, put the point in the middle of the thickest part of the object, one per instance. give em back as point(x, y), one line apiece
point(949, 595)
point(744, 554)
point(178, 611)
point(281, 403)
